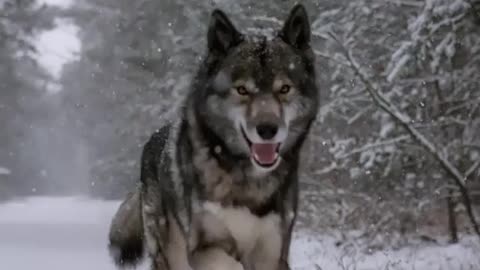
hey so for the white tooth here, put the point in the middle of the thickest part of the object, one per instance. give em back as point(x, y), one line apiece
point(255, 156)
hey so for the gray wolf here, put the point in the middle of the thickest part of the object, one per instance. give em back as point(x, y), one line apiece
point(221, 184)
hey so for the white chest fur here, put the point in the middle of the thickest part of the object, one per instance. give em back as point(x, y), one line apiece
point(252, 234)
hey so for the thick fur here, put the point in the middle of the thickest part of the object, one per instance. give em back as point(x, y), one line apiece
point(206, 199)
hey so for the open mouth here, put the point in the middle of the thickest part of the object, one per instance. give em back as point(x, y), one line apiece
point(264, 154)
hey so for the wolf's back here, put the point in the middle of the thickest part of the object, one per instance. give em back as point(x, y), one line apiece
point(126, 231)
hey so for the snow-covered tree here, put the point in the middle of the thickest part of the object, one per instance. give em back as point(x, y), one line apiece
point(422, 59)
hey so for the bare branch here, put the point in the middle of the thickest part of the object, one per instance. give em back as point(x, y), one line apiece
point(407, 3)
point(475, 6)
point(472, 168)
point(333, 166)
point(328, 57)
point(471, 145)
point(357, 116)
point(375, 145)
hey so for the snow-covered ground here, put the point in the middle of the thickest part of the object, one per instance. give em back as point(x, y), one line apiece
point(70, 233)
point(4, 171)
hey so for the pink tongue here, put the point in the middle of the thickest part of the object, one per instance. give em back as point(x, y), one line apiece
point(264, 153)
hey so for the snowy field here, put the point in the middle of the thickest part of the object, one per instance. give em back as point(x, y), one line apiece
point(70, 233)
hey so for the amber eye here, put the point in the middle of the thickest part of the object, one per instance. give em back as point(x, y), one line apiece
point(285, 89)
point(241, 90)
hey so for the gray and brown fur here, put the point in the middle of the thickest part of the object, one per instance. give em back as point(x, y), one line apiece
point(202, 198)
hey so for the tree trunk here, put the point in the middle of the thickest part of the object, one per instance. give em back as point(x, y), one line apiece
point(452, 219)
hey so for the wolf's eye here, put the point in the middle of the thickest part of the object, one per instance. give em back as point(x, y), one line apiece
point(241, 90)
point(285, 89)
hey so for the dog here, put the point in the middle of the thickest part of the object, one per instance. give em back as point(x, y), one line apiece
point(219, 187)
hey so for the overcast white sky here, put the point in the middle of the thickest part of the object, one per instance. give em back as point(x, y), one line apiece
point(59, 45)
point(60, 3)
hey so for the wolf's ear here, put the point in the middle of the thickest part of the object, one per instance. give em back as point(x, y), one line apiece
point(296, 30)
point(222, 35)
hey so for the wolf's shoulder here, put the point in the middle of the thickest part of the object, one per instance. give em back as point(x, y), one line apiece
point(163, 143)
point(158, 140)
point(160, 136)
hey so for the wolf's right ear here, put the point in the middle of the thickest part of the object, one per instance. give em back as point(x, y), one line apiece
point(222, 35)
point(296, 30)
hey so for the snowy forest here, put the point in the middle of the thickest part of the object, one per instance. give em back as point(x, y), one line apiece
point(394, 154)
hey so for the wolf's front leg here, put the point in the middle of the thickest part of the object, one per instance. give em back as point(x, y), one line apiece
point(167, 244)
point(155, 235)
point(214, 258)
point(287, 231)
point(165, 240)
point(272, 247)
point(267, 251)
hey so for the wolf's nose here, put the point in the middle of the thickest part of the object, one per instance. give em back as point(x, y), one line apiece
point(267, 131)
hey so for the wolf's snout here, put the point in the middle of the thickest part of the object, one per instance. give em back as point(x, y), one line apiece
point(267, 131)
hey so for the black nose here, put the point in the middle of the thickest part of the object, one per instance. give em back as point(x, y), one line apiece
point(267, 131)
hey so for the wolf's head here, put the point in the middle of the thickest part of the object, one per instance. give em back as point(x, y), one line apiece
point(258, 96)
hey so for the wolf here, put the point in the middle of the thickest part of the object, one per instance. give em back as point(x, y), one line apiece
point(220, 184)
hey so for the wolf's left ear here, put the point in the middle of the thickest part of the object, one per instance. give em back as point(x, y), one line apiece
point(296, 30)
point(222, 35)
